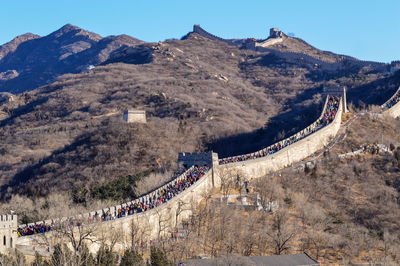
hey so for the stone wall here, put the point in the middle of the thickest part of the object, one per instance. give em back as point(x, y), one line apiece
point(393, 111)
point(268, 42)
point(293, 153)
point(8, 235)
point(179, 208)
point(301, 134)
point(167, 216)
point(337, 91)
point(199, 30)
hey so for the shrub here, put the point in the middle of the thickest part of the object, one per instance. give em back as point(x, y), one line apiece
point(118, 189)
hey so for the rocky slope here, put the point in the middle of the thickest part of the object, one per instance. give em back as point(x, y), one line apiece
point(199, 94)
point(30, 61)
point(64, 140)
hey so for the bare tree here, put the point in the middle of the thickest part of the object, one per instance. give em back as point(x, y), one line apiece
point(229, 179)
point(281, 233)
point(164, 224)
point(181, 208)
point(79, 233)
point(139, 233)
point(110, 234)
point(249, 234)
point(268, 189)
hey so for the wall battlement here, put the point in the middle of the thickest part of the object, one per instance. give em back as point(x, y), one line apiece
point(187, 159)
point(249, 169)
point(392, 106)
point(199, 30)
point(171, 210)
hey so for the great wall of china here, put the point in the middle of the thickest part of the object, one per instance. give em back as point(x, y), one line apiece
point(276, 36)
point(390, 107)
point(179, 208)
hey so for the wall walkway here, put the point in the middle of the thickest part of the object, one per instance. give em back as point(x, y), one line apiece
point(392, 106)
point(179, 208)
point(295, 152)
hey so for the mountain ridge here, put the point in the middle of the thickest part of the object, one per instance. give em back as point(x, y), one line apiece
point(211, 94)
point(37, 61)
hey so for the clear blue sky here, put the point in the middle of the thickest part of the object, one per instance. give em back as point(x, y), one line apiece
point(366, 29)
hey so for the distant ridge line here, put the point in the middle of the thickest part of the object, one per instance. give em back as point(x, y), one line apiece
point(199, 30)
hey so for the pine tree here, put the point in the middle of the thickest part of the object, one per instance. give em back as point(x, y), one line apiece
point(131, 258)
point(158, 257)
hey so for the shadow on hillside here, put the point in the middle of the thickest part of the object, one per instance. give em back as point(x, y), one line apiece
point(29, 172)
point(323, 70)
point(297, 117)
point(376, 92)
point(138, 55)
point(24, 109)
point(300, 116)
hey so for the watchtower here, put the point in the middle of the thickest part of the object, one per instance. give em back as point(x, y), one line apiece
point(8, 232)
point(275, 33)
point(135, 116)
point(337, 91)
point(187, 159)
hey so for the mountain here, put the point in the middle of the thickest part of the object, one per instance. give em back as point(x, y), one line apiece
point(198, 93)
point(65, 147)
point(13, 45)
point(30, 61)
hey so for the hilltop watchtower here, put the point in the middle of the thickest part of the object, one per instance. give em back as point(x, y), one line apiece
point(337, 91)
point(210, 159)
point(187, 159)
point(275, 33)
point(8, 232)
point(135, 116)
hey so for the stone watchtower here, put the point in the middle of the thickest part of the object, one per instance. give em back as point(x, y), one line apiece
point(275, 33)
point(8, 232)
point(210, 159)
point(187, 159)
point(135, 116)
point(336, 91)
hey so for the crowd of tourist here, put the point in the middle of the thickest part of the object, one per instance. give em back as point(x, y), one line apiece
point(145, 203)
point(327, 117)
point(395, 99)
point(34, 229)
point(164, 194)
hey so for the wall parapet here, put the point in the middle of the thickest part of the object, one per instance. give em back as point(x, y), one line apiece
point(196, 191)
point(261, 166)
point(392, 106)
point(199, 30)
point(283, 143)
point(385, 105)
point(113, 210)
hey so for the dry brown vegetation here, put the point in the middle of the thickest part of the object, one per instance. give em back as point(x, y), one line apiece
point(340, 211)
point(201, 94)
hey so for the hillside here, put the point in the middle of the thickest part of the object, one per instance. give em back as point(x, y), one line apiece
point(199, 94)
point(30, 61)
point(65, 149)
point(338, 210)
